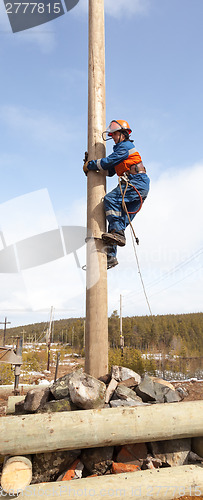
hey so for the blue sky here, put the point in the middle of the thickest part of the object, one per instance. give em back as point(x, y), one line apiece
point(154, 75)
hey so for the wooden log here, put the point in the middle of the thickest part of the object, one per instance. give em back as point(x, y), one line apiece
point(93, 428)
point(157, 484)
point(16, 474)
point(12, 400)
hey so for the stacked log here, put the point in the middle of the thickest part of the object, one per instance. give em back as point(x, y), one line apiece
point(16, 474)
point(156, 484)
point(137, 433)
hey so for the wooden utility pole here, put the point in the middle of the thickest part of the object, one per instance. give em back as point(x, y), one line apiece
point(96, 335)
point(5, 323)
point(49, 340)
point(19, 348)
point(121, 327)
point(23, 334)
point(72, 336)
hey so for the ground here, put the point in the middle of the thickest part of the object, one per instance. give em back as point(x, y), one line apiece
point(193, 387)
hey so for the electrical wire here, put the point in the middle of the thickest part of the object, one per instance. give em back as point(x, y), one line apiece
point(176, 268)
point(168, 273)
point(171, 271)
point(133, 233)
point(163, 289)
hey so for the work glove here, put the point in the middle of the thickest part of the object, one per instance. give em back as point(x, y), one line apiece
point(85, 169)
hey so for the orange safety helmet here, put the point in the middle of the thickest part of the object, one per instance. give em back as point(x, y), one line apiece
point(114, 126)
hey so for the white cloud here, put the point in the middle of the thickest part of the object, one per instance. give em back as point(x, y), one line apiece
point(70, 76)
point(36, 125)
point(60, 277)
point(55, 284)
point(118, 8)
point(76, 214)
point(26, 216)
point(43, 36)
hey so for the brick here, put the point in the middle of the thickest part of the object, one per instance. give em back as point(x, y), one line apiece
point(132, 453)
point(70, 474)
point(118, 468)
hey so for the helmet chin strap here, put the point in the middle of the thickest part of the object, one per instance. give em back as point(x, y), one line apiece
point(120, 137)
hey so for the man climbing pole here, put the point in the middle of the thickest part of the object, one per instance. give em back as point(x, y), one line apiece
point(124, 201)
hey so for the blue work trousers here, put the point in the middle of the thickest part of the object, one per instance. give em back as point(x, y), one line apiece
point(115, 215)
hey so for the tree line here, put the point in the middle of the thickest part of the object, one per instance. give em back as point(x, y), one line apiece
point(180, 334)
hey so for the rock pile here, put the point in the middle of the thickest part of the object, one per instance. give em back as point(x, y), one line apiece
point(79, 391)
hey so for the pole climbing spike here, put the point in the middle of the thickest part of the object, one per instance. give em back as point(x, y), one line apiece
point(117, 238)
point(111, 262)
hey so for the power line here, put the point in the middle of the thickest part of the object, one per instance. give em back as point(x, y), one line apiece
point(173, 284)
point(139, 272)
point(171, 271)
point(135, 239)
point(176, 268)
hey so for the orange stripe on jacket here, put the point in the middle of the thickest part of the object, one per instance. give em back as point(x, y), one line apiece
point(133, 158)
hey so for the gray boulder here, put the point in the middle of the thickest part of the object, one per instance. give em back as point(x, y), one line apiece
point(172, 396)
point(151, 390)
point(19, 408)
point(36, 397)
point(173, 452)
point(197, 445)
point(86, 392)
point(146, 390)
point(129, 382)
point(123, 392)
point(60, 405)
point(97, 460)
point(122, 373)
point(182, 392)
point(60, 388)
point(115, 403)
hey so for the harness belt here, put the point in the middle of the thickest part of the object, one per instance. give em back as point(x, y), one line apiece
point(139, 169)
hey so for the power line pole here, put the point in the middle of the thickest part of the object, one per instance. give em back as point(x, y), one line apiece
point(5, 323)
point(49, 340)
point(96, 334)
point(19, 348)
point(23, 333)
point(121, 327)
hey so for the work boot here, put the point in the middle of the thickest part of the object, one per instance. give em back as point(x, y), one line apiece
point(111, 261)
point(115, 237)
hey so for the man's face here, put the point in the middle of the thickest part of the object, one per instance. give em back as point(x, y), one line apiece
point(117, 136)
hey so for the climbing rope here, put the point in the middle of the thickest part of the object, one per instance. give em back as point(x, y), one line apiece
point(132, 229)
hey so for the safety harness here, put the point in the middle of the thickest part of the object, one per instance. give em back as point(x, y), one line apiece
point(124, 178)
